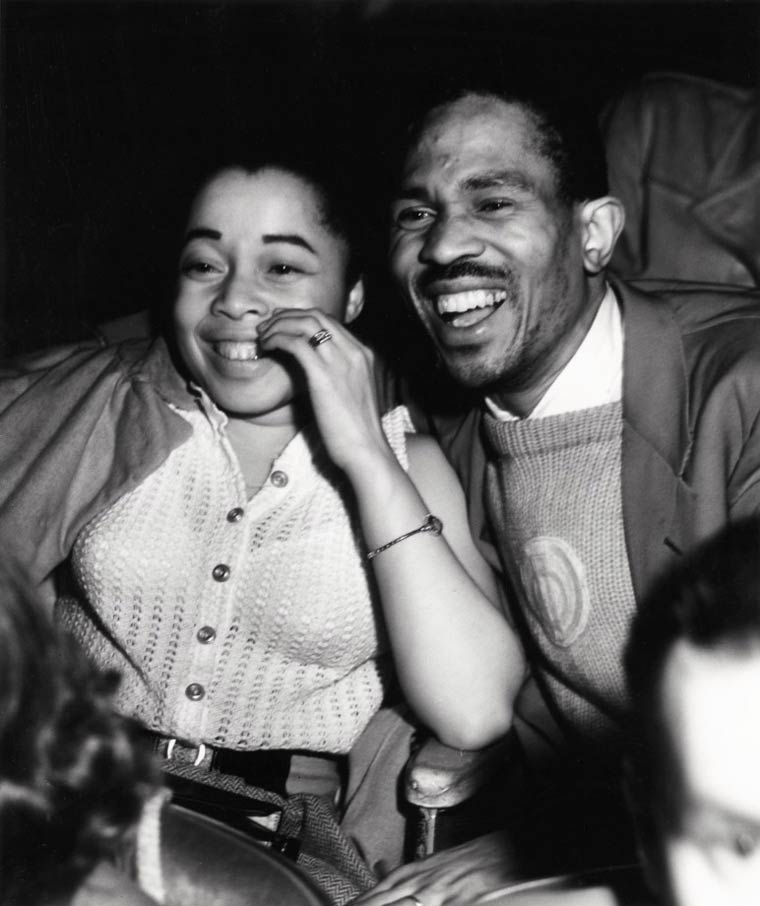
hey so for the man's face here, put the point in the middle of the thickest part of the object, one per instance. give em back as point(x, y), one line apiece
point(485, 250)
point(710, 701)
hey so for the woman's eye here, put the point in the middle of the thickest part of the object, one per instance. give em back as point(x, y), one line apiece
point(198, 268)
point(413, 218)
point(283, 270)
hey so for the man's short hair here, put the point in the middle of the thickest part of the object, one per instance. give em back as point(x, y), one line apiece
point(712, 601)
point(567, 131)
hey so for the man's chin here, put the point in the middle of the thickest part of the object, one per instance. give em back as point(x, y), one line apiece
point(472, 374)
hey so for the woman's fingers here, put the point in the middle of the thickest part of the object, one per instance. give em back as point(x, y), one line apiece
point(339, 376)
point(305, 324)
point(312, 338)
point(316, 341)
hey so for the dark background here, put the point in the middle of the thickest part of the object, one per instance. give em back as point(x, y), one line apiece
point(109, 106)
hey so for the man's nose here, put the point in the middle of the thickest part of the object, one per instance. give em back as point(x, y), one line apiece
point(238, 296)
point(450, 237)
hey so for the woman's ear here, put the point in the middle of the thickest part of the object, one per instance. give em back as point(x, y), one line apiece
point(355, 302)
point(602, 221)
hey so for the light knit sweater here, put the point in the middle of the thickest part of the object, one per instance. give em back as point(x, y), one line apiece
point(246, 624)
point(555, 497)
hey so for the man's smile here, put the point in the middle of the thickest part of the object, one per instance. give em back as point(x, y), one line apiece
point(469, 307)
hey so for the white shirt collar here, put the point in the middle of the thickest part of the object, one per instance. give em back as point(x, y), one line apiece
point(592, 377)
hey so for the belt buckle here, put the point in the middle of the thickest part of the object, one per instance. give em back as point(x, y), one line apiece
point(200, 755)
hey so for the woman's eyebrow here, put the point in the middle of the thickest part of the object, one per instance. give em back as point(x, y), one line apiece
point(201, 233)
point(268, 238)
point(292, 238)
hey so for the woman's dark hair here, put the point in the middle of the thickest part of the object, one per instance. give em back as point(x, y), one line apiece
point(72, 775)
point(326, 170)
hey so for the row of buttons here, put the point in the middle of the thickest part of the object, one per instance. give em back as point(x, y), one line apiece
point(221, 572)
point(206, 634)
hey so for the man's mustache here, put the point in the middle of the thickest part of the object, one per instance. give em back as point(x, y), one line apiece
point(459, 269)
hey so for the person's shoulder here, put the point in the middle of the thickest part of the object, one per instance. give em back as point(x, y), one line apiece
point(698, 310)
point(719, 330)
point(68, 373)
point(692, 299)
point(70, 357)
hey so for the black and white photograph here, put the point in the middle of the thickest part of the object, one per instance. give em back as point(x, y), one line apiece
point(380, 453)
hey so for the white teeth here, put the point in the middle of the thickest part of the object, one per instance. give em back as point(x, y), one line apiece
point(236, 351)
point(467, 301)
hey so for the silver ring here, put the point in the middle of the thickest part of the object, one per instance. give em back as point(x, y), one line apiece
point(320, 337)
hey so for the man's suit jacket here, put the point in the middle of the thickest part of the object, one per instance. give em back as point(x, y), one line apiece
point(691, 414)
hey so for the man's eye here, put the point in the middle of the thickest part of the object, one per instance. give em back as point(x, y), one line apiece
point(492, 205)
point(413, 218)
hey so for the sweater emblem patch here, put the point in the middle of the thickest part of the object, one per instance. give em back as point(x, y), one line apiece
point(556, 588)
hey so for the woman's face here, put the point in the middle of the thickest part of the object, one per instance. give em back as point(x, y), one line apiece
point(255, 242)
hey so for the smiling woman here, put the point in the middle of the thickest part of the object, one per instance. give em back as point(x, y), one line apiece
point(255, 243)
point(216, 498)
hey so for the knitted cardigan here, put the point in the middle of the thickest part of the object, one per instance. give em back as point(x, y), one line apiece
point(111, 420)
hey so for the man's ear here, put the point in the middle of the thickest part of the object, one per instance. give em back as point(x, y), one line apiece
point(355, 302)
point(602, 221)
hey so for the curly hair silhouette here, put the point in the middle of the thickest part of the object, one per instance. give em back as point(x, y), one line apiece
point(72, 777)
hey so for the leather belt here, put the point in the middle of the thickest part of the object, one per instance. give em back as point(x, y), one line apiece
point(266, 768)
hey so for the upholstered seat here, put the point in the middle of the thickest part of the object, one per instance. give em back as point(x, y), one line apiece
point(207, 863)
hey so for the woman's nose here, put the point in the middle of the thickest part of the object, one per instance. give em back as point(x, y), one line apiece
point(238, 297)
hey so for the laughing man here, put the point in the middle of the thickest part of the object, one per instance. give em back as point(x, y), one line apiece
point(613, 430)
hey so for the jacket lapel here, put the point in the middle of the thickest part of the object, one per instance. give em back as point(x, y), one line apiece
point(656, 437)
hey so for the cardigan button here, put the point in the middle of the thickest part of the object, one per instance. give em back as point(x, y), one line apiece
point(195, 692)
point(206, 634)
point(221, 572)
point(235, 514)
point(279, 479)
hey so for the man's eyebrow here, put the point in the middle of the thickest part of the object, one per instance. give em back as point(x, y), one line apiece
point(494, 179)
point(201, 233)
point(291, 238)
point(491, 179)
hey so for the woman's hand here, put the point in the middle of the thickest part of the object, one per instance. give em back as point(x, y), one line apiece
point(340, 380)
